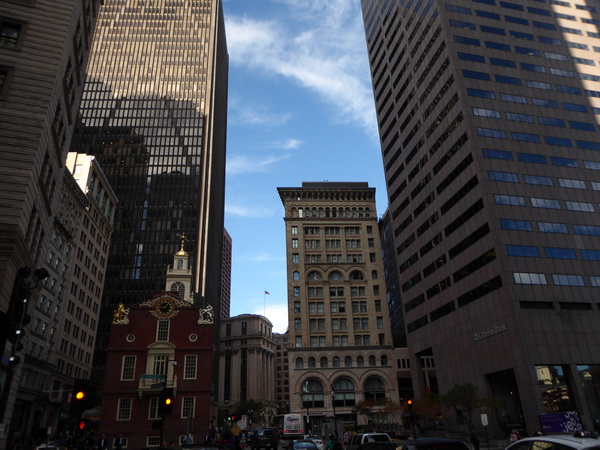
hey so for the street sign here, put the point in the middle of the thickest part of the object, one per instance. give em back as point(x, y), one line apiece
point(484, 420)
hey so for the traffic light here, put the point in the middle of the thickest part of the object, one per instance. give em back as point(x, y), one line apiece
point(410, 405)
point(83, 395)
point(165, 402)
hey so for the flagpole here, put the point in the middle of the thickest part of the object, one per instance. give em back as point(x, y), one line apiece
point(265, 303)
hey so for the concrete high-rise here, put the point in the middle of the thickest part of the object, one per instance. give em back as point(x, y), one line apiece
point(339, 342)
point(488, 113)
point(44, 47)
point(154, 115)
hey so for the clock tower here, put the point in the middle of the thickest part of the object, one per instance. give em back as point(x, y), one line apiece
point(179, 276)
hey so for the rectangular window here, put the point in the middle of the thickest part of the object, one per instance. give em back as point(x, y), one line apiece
point(128, 368)
point(162, 330)
point(9, 33)
point(550, 227)
point(124, 409)
point(153, 409)
point(560, 253)
point(189, 369)
point(530, 278)
point(523, 250)
point(567, 280)
point(187, 407)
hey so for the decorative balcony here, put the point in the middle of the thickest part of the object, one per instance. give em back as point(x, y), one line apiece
point(152, 384)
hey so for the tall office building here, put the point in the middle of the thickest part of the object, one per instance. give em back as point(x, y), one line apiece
point(44, 46)
point(488, 114)
point(154, 115)
point(339, 343)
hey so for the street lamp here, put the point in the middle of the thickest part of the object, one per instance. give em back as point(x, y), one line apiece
point(334, 417)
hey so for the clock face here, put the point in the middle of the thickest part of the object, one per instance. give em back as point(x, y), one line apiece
point(164, 308)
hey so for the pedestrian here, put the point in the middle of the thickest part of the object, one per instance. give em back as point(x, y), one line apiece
point(329, 443)
point(514, 436)
point(474, 440)
point(346, 437)
point(119, 442)
point(102, 443)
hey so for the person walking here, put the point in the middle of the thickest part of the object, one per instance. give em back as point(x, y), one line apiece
point(474, 440)
point(514, 436)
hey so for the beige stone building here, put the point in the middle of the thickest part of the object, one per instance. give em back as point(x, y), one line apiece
point(340, 346)
point(246, 363)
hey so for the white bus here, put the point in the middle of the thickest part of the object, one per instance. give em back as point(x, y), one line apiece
point(293, 426)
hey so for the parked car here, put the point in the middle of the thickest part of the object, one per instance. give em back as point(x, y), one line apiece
point(577, 441)
point(362, 438)
point(264, 438)
point(316, 439)
point(301, 444)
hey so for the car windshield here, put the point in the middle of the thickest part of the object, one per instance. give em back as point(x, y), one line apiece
point(379, 438)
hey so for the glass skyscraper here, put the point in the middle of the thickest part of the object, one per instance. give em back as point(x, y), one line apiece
point(154, 114)
point(488, 114)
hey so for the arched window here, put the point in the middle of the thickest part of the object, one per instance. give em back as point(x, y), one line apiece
point(327, 212)
point(324, 362)
point(343, 392)
point(374, 388)
point(313, 213)
point(321, 212)
point(357, 275)
point(335, 276)
point(299, 363)
point(360, 212)
point(360, 361)
point(336, 361)
point(312, 394)
point(296, 276)
point(314, 276)
point(300, 212)
point(348, 361)
point(384, 360)
point(354, 212)
point(179, 288)
point(367, 212)
point(312, 363)
point(372, 361)
point(374, 275)
point(180, 264)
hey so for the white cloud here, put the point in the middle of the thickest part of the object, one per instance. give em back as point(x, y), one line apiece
point(276, 313)
point(244, 113)
point(246, 211)
point(324, 53)
point(238, 164)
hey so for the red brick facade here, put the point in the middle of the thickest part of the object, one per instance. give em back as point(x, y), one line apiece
point(145, 342)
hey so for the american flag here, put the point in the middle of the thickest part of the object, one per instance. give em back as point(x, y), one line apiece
point(267, 293)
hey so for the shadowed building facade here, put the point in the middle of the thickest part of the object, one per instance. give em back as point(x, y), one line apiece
point(488, 116)
point(154, 115)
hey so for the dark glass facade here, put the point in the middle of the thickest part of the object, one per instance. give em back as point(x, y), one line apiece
point(154, 114)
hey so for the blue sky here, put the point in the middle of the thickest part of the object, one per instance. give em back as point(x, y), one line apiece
point(300, 109)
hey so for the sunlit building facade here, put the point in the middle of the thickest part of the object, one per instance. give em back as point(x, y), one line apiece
point(488, 114)
point(154, 115)
point(340, 348)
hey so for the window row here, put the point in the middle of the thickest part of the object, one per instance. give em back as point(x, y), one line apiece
point(528, 118)
point(320, 212)
point(343, 392)
point(546, 103)
point(336, 307)
point(335, 292)
point(530, 251)
point(549, 227)
point(125, 408)
point(339, 324)
point(315, 275)
point(315, 258)
point(557, 279)
point(336, 361)
point(542, 159)
point(331, 231)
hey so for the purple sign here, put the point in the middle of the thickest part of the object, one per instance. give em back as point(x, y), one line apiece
point(562, 422)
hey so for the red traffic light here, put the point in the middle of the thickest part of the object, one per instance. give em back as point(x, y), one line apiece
point(82, 425)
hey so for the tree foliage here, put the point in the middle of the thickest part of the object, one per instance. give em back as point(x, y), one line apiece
point(256, 410)
point(465, 398)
